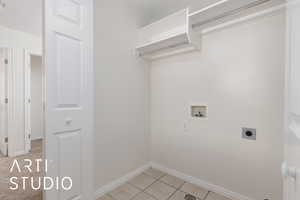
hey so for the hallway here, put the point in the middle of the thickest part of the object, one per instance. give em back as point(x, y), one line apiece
point(5, 166)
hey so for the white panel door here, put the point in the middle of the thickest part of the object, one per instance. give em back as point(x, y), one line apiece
point(68, 29)
point(291, 167)
point(15, 106)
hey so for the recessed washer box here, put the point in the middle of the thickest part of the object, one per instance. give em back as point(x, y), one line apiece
point(198, 111)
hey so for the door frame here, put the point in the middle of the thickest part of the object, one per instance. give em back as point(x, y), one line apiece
point(4, 144)
point(291, 189)
point(286, 98)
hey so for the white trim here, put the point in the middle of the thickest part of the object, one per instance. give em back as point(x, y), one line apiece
point(289, 188)
point(28, 58)
point(286, 96)
point(90, 138)
point(245, 18)
point(38, 138)
point(208, 7)
point(27, 97)
point(211, 187)
point(118, 182)
point(3, 96)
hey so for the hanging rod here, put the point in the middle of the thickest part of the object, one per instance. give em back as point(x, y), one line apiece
point(227, 14)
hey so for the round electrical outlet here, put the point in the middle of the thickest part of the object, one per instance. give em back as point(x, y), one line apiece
point(249, 133)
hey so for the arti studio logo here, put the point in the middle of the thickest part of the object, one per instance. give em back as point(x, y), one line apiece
point(36, 183)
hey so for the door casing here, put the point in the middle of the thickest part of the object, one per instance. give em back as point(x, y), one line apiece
point(3, 97)
point(291, 165)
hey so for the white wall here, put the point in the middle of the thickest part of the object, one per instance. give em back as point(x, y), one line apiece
point(17, 39)
point(26, 17)
point(239, 73)
point(122, 137)
point(36, 98)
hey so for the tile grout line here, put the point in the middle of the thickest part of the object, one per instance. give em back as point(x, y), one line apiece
point(108, 194)
point(168, 185)
point(144, 190)
point(206, 195)
point(156, 180)
point(176, 189)
point(172, 185)
point(172, 194)
point(160, 181)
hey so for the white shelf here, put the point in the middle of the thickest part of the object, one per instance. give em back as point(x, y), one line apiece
point(168, 36)
point(180, 32)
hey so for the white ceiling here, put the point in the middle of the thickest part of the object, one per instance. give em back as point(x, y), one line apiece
point(26, 15)
point(23, 15)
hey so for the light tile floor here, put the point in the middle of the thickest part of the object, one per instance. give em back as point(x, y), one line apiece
point(156, 185)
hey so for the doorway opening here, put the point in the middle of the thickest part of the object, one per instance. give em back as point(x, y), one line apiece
point(22, 124)
point(35, 103)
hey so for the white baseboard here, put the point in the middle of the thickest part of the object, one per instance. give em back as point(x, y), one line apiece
point(18, 153)
point(37, 138)
point(201, 183)
point(118, 182)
